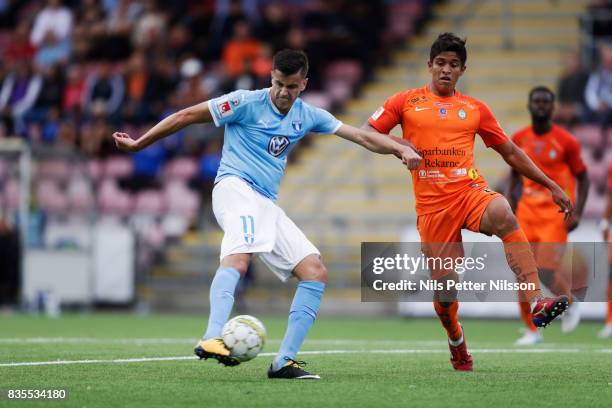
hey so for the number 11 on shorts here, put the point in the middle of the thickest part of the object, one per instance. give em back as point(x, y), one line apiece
point(248, 227)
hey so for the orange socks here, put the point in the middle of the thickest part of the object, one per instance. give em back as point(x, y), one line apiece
point(526, 316)
point(449, 319)
point(522, 262)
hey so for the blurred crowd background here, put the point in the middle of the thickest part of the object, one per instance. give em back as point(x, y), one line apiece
point(73, 71)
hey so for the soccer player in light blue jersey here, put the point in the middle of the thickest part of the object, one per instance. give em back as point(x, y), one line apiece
point(261, 128)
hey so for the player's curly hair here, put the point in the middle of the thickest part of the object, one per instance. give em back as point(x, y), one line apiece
point(290, 62)
point(449, 42)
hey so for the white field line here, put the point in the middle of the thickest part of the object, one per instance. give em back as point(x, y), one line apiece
point(319, 352)
point(193, 341)
point(186, 340)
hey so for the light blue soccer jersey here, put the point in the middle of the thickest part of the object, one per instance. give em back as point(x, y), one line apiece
point(258, 137)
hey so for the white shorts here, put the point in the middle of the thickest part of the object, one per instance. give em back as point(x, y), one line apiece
point(252, 223)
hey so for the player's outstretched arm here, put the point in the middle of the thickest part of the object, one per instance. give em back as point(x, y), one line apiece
point(194, 114)
point(583, 191)
point(521, 163)
point(383, 144)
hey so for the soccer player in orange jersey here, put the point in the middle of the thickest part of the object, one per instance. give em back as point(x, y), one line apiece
point(557, 153)
point(442, 123)
point(607, 235)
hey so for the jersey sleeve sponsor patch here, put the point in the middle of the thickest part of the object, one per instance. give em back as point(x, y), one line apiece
point(378, 112)
point(225, 108)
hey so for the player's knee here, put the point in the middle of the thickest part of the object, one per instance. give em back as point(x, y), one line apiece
point(505, 223)
point(240, 262)
point(316, 272)
point(311, 269)
point(319, 272)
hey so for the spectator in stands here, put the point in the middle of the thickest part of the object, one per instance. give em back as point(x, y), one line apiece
point(227, 14)
point(67, 135)
point(572, 106)
point(123, 16)
point(9, 10)
point(149, 30)
point(119, 23)
point(51, 51)
point(106, 86)
point(19, 91)
point(193, 88)
point(239, 53)
point(53, 18)
point(262, 66)
point(598, 95)
point(179, 42)
point(163, 80)
point(137, 78)
point(90, 30)
point(95, 137)
point(20, 46)
point(74, 91)
point(275, 26)
point(199, 21)
point(602, 24)
point(207, 169)
point(296, 40)
point(49, 97)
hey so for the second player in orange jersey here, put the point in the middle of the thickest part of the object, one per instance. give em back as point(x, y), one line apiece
point(557, 153)
point(450, 194)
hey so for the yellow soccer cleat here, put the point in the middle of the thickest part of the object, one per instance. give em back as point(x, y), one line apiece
point(215, 348)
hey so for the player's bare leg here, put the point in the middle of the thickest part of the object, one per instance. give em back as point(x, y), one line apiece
point(313, 277)
point(222, 288)
point(499, 220)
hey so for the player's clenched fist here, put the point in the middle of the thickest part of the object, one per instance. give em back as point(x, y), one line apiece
point(124, 142)
point(411, 159)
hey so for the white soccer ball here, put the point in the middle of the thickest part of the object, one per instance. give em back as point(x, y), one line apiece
point(245, 337)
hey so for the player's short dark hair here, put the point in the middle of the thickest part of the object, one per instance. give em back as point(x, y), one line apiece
point(449, 42)
point(290, 62)
point(541, 88)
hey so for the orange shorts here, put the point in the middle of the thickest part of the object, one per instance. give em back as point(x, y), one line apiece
point(544, 227)
point(441, 231)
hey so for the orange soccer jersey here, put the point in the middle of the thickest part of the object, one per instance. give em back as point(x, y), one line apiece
point(557, 154)
point(443, 130)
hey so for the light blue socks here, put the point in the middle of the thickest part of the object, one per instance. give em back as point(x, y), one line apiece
point(221, 300)
point(302, 315)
